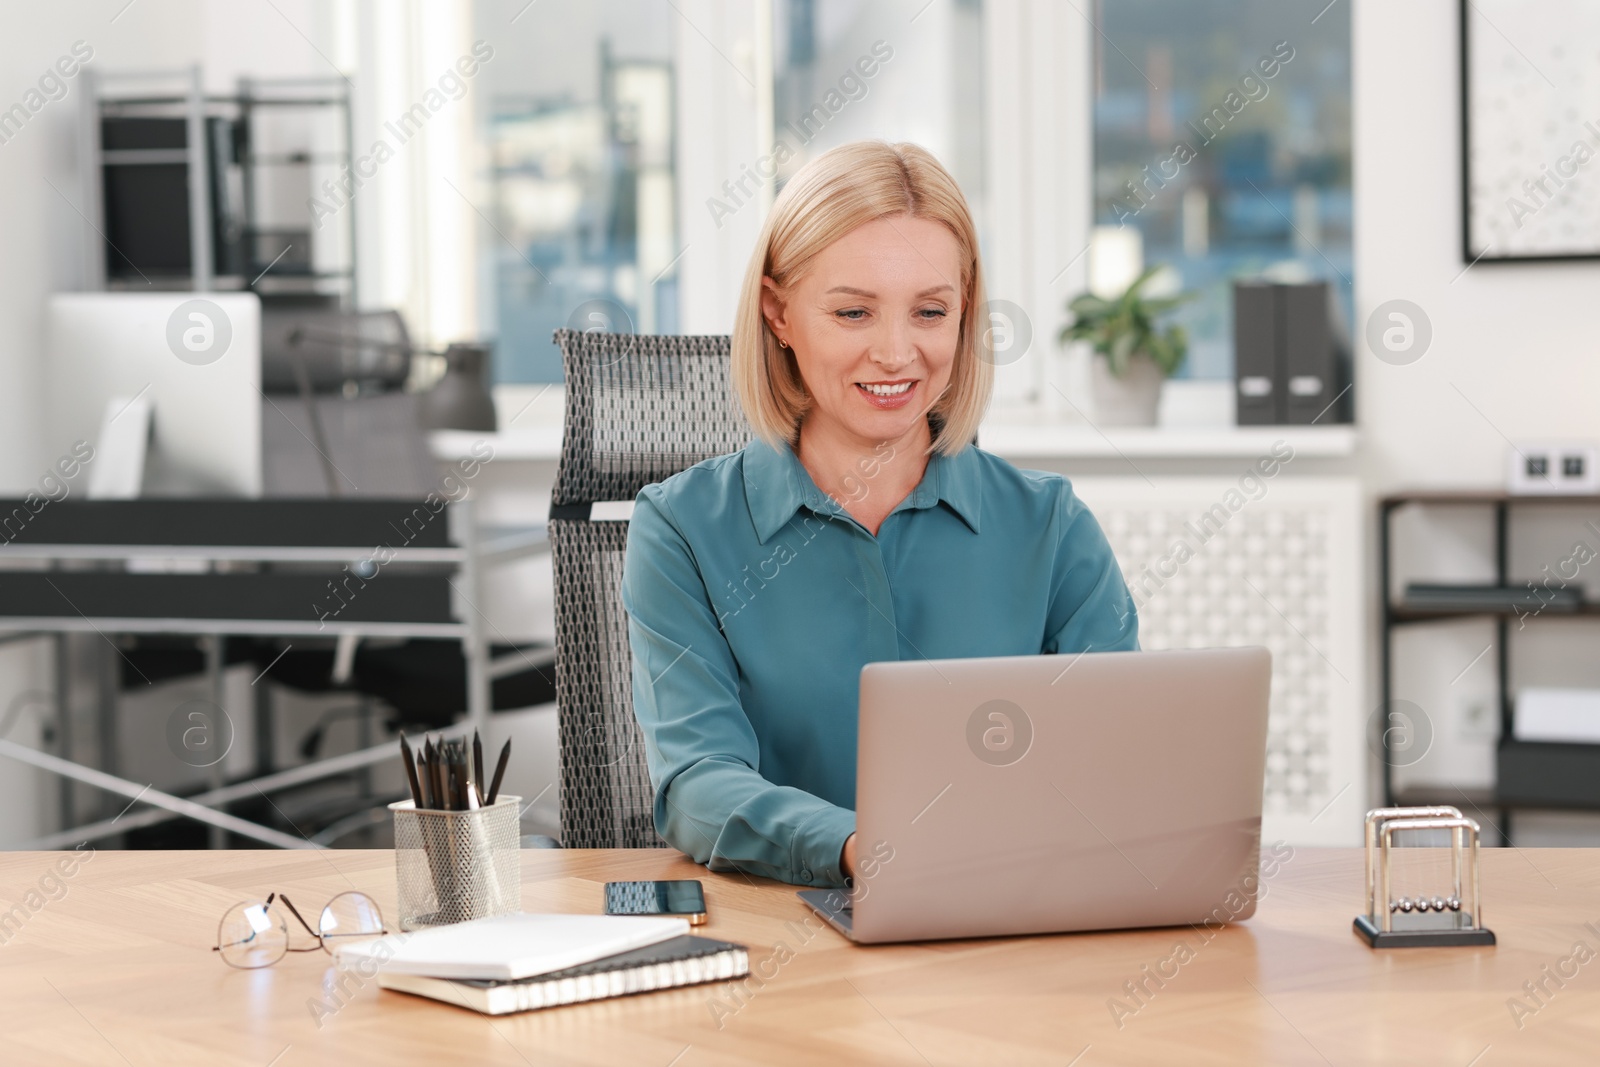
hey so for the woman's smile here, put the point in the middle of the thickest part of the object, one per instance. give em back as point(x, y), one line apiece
point(888, 395)
point(861, 359)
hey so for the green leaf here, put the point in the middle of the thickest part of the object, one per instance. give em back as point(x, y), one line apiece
point(1129, 324)
point(1138, 283)
point(1162, 304)
point(1121, 350)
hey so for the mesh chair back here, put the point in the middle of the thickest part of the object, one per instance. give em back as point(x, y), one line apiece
point(638, 410)
point(372, 348)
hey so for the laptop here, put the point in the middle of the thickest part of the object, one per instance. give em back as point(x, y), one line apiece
point(1045, 794)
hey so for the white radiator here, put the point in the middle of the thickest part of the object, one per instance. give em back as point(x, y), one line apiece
point(1274, 562)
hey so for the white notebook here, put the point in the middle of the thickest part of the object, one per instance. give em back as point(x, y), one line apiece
point(676, 962)
point(508, 947)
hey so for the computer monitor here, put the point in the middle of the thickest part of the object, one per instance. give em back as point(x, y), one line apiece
point(193, 358)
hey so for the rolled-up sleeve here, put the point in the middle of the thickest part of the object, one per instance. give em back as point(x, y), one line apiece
point(711, 801)
point(1091, 609)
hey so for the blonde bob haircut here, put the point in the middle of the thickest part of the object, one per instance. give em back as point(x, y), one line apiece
point(832, 195)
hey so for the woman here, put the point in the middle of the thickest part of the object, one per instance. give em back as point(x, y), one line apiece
point(861, 525)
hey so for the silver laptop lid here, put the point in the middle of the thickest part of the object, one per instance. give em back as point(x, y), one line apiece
point(1034, 794)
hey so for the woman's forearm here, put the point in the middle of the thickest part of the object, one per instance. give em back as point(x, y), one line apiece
point(725, 815)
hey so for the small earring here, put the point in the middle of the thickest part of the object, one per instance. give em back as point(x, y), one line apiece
point(782, 343)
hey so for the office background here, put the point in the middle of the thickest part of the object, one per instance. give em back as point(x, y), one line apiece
point(604, 166)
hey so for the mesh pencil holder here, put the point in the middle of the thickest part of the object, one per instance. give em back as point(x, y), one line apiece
point(451, 866)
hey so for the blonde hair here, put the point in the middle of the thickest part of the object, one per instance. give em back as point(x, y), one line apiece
point(832, 195)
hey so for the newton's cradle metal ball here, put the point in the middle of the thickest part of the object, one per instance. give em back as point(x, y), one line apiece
point(1423, 904)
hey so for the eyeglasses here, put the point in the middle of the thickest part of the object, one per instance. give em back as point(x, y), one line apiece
point(253, 935)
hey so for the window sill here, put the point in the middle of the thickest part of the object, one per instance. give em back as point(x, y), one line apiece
point(530, 417)
point(543, 443)
point(1063, 441)
point(535, 443)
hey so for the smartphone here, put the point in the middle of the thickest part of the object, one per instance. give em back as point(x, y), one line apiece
point(684, 898)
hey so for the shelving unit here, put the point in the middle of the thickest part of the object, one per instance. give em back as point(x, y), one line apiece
point(293, 274)
point(226, 174)
point(1530, 774)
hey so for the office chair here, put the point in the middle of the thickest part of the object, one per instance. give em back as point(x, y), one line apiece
point(638, 409)
point(335, 417)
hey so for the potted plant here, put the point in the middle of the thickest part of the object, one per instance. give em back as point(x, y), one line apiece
point(1132, 355)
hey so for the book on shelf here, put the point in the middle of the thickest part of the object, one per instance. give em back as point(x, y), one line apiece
point(679, 961)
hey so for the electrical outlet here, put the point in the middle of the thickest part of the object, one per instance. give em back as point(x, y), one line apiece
point(1553, 468)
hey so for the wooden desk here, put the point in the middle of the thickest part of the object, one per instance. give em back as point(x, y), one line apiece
point(119, 971)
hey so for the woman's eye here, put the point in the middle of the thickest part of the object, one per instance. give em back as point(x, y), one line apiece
point(852, 314)
point(932, 314)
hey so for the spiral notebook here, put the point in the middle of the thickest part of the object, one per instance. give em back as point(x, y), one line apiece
point(679, 961)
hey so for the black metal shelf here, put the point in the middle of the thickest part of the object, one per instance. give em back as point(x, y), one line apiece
point(1467, 497)
point(1529, 774)
point(1427, 796)
point(264, 271)
point(1401, 612)
point(1544, 775)
point(292, 159)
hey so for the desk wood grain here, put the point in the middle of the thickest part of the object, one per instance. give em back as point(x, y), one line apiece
point(117, 969)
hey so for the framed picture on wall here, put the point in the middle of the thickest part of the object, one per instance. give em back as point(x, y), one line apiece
point(1530, 130)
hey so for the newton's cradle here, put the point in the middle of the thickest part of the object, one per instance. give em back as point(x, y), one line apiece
point(1424, 919)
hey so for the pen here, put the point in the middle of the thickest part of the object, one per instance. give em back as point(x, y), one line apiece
point(499, 772)
point(411, 770)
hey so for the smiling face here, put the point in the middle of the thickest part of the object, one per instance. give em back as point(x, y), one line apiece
point(874, 325)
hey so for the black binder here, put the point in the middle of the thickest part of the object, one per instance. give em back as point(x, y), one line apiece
point(1257, 353)
point(1291, 356)
point(1314, 358)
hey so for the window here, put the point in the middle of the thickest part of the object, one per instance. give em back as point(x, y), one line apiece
point(1222, 136)
point(895, 70)
point(580, 143)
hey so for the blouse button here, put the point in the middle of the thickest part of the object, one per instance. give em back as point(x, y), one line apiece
point(805, 874)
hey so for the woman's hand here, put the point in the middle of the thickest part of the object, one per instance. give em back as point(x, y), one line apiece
point(847, 858)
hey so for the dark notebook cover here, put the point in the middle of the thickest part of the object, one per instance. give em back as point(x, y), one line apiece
point(684, 947)
point(672, 964)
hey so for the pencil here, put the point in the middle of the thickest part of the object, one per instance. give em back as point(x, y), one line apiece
point(499, 772)
point(477, 765)
point(441, 799)
point(459, 765)
point(411, 770)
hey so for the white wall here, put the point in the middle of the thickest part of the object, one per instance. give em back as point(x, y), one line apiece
point(1513, 357)
point(44, 234)
point(719, 134)
point(44, 237)
point(1515, 341)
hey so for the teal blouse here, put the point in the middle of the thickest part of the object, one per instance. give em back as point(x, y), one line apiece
point(754, 600)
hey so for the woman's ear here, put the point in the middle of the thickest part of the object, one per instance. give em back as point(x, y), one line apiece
point(772, 308)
